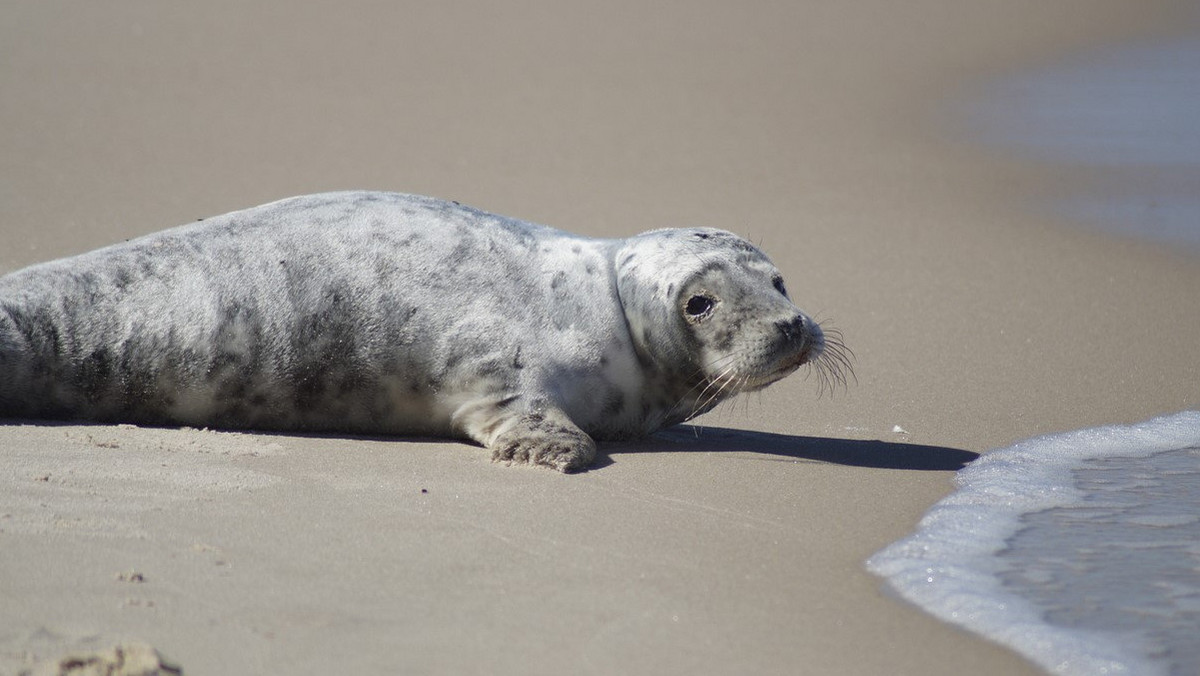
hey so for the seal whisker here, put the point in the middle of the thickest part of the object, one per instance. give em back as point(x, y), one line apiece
point(703, 381)
point(731, 386)
point(703, 397)
point(723, 382)
point(700, 399)
point(835, 365)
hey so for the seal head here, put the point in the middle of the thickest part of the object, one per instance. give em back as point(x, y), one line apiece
point(710, 315)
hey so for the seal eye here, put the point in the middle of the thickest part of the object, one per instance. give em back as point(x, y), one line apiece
point(699, 306)
point(778, 282)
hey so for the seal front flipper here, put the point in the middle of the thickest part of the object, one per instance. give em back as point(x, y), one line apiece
point(546, 437)
point(537, 435)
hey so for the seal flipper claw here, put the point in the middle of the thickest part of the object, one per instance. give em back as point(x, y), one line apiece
point(545, 437)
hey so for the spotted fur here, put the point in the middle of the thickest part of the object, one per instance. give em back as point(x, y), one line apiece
point(395, 314)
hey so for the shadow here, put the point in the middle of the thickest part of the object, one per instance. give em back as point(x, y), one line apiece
point(850, 452)
point(680, 439)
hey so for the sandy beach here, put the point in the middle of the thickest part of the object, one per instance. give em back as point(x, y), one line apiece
point(731, 545)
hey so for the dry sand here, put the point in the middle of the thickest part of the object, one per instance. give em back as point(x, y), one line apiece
point(811, 127)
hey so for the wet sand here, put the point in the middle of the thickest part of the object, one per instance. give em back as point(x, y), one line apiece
point(732, 546)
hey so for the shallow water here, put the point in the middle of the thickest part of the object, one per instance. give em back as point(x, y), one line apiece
point(1125, 558)
point(1079, 550)
point(1133, 113)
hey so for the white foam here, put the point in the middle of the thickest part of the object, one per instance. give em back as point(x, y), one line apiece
point(949, 565)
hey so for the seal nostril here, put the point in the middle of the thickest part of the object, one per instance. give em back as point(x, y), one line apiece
point(792, 329)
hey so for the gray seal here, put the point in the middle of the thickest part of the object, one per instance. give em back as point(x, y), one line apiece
point(390, 314)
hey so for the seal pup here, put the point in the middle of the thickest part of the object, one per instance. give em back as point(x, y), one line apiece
point(391, 314)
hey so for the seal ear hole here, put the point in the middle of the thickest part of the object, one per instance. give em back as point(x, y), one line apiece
point(778, 282)
point(699, 306)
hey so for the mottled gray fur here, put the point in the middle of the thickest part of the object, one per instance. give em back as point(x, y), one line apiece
point(383, 313)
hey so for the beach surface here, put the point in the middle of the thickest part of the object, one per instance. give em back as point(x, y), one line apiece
point(732, 545)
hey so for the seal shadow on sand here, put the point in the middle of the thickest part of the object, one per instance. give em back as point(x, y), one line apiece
point(790, 448)
point(688, 439)
point(702, 439)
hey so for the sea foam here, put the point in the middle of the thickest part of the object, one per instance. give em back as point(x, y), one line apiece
point(1060, 550)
